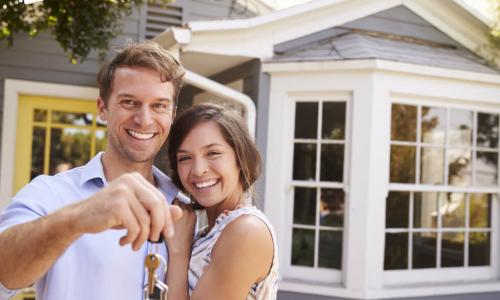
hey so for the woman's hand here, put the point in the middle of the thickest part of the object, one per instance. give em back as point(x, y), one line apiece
point(180, 243)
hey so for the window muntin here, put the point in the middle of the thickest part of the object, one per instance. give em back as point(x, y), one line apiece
point(443, 165)
point(318, 184)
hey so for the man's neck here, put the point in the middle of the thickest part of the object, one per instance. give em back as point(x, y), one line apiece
point(115, 165)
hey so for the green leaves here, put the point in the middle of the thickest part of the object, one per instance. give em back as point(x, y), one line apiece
point(78, 26)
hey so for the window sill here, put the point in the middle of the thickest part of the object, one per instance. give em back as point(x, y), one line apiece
point(391, 291)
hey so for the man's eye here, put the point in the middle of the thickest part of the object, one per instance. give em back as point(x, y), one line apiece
point(128, 103)
point(160, 107)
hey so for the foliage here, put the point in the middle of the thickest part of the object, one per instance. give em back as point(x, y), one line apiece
point(78, 26)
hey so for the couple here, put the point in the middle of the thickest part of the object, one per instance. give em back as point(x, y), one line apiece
point(57, 233)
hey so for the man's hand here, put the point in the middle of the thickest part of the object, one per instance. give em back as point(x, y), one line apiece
point(129, 202)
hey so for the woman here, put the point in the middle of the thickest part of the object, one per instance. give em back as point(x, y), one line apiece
point(214, 160)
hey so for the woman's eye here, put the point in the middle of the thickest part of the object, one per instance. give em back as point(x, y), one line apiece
point(213, 153)
point(182, 158)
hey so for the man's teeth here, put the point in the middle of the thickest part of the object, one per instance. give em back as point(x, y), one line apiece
point(206, 184)
point(140, 135)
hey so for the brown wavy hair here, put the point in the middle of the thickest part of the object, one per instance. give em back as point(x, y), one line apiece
point(145, 54)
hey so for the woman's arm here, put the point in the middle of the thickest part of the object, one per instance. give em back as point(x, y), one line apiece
point(241, 257)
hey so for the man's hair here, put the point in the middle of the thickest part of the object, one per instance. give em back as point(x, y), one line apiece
point(234, 131)
point(145, 54)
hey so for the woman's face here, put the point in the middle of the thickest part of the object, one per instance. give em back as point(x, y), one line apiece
point(207, 167)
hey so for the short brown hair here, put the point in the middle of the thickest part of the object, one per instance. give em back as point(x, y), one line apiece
point(145, 54)
point(234, 131)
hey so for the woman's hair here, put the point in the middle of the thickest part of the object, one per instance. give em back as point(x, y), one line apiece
point(234, 131)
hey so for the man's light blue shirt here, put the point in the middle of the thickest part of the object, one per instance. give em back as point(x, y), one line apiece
point(95, 266)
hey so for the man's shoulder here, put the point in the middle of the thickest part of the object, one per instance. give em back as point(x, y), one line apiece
point(165, 184)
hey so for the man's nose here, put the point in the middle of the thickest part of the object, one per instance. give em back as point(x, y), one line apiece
point(143, 117)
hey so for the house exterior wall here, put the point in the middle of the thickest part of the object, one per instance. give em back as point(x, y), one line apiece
point(373, 86)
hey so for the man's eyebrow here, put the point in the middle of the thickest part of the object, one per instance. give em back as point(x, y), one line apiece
point(204, 147)
point(125, 95)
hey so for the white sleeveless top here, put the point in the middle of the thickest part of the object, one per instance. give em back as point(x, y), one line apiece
point(201, 254)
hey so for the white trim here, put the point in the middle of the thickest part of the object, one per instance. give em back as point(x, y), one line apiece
point(13, 89)
point(380, 65)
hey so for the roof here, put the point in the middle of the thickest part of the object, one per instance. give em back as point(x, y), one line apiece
point(352, 45)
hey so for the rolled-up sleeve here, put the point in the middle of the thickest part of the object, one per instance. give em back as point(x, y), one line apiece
point(27, 205)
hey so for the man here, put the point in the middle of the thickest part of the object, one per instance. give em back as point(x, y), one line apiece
point(56, 232)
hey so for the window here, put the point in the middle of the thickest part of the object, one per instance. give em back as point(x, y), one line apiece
point(319, 148)
point(60, 134)
point(443, 182)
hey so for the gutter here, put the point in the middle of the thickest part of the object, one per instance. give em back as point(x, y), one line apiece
point(177, 37)
point(224, 92)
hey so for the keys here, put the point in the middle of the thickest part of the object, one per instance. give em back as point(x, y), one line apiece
point(152, 263)
point(154, 289)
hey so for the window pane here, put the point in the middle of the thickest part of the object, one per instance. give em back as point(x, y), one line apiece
point(460, 127)
point(332, 208)
point(433, 125)
point(487, 130)
point(425, 208)
point(303, 247)
point(452, 249)
point(402, 164)
point(330, 249)
point(432, 165)
point(480, 210)
point(304, 207)
point(61, 117)
point(459, 167)
point(37, 152)
point(396, 251)
point(479, 249)
point(452, 209)
point(333, 120)
point(69, 148)
point(306, 120)
point(40, 115)
point(404, 123)
point(397, 207)
point(424, 250)
point(332, 163)
point(304, 161)
point(100, 140)
point(486, 168)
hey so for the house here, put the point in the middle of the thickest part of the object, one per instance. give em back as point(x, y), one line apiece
point(378, 123)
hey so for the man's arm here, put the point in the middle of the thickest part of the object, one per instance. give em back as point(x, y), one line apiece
point(130, 202)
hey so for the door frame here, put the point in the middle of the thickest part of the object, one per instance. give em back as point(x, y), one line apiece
point(13, 88)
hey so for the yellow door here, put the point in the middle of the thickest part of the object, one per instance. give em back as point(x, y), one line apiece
point(54, 134)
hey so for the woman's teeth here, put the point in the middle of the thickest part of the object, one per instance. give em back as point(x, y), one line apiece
point(205, 184)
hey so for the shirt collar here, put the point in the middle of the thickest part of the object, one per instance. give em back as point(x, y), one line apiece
point(94, 170)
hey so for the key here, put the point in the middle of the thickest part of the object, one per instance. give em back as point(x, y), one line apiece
point(152, 263)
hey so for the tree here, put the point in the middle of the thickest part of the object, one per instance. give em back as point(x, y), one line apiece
point(78, 26)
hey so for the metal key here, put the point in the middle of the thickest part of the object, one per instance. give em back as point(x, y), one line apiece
point(152, 263)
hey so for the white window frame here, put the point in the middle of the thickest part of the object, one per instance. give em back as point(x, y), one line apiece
point(316, 274)
point(448, 274)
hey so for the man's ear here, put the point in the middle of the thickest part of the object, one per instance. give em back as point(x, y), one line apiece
point(101, 109)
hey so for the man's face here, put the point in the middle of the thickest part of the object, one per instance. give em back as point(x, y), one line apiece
point(138, 114)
